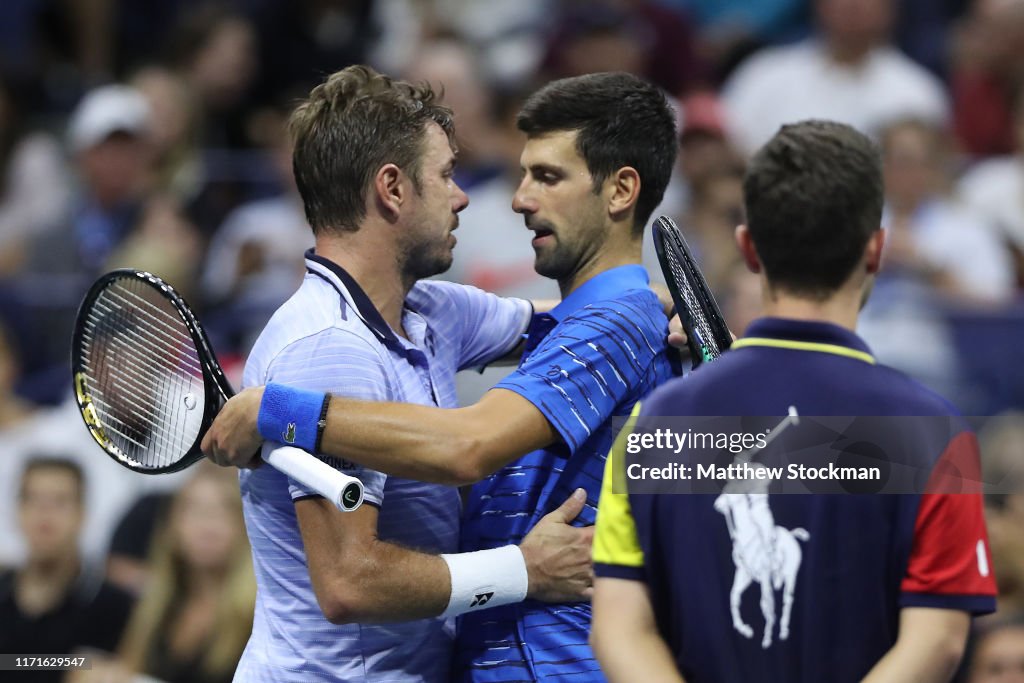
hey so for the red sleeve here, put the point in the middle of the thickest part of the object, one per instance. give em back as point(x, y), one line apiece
point(950, 564)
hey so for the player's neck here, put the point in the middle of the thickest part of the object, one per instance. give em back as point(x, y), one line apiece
point(611, 257)
point(840, 309)
point(373, 265)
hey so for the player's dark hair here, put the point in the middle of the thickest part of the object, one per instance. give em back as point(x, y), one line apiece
point(47, 462)
point(619, 120)
point(813, 199)
point(351, 125)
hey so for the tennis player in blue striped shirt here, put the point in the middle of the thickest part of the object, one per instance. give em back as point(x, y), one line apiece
point(366, 595)
point(598, 157)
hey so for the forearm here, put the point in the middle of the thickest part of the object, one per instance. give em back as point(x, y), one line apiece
point(903, 663)
point(449, 446)
point(403, 439)
point(628, 655)
point(928, 649)
point(388, 583)
point(625, 637)
point(358, 577)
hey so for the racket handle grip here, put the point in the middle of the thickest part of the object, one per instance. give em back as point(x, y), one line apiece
point(345, 492)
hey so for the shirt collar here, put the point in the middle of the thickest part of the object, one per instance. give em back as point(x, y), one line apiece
point(811, 332)
point(601, 287)
point(363, 305)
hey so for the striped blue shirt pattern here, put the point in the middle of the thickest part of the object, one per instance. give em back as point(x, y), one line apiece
point(590, 359)
point(329, 337)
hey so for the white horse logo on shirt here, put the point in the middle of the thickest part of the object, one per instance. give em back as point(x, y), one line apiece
point(762, 552)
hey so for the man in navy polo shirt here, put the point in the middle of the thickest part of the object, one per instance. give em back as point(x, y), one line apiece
point(598, 156)
point(757, 586)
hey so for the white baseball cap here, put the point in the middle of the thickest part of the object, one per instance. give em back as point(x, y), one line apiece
point(107, 110)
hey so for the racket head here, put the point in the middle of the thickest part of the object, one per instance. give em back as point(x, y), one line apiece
point(707, 334)
point(146, 382)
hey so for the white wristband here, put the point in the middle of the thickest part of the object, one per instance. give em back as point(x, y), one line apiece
point(486, 578)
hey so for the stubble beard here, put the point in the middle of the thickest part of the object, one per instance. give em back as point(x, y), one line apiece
point(420, 259)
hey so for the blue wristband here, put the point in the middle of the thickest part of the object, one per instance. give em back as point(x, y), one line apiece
point(289, 415)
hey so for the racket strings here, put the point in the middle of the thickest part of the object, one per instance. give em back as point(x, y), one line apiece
point(693, 303)
point(140, 388)
point(143, 373)
point(132, 388)
point(139, 409)
point(162, 331)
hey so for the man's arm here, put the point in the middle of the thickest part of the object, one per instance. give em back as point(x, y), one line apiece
point(928, 648)
point(357, 577)
point(625, 636)
point(571, 384)
point(454, 446)
point(623, 632)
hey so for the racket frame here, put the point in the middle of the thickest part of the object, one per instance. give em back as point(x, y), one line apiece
point(216, 388)
point(668, 237)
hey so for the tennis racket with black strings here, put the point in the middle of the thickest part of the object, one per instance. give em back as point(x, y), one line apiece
point(707, 334)
point(149, 387)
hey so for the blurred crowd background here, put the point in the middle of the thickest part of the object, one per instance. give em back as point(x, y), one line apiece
point(150, 134)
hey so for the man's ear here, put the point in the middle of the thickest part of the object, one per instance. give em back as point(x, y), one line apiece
point(747, 250)
point(873, 251)
point(624, 186)
point(389, 190)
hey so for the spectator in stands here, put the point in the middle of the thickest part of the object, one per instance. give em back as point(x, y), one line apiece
point(174, 132)
point(986, 75)
point(729, 30)
point(215, 51)
point(195, 614)
point(740, 297)
point(847, 73)
point(1002, 461)
point(108, 137)
point(55, 603)
point(163, 242)
point(994, 188)
point(255, 259)
point(710, 173)
point(27, 429)
point(34, 191)
point(301, 40)
point(937, 253)
point(637, 36)
point(998, 654)
point(14, 410)
point(132, 540)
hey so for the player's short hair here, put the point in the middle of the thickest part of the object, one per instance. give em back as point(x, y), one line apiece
point(619, 121)
point(813, 198)
point(352, 124)
point(38, 463)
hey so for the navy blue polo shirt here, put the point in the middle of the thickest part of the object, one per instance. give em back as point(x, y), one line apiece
point(771, 587)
